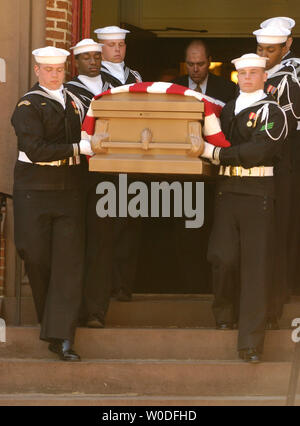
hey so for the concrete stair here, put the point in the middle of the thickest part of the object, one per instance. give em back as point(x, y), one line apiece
point(178, 361)
point(145, 344)
point(135, 400)
point(150, 310)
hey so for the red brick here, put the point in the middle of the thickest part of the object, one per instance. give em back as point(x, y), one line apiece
point(49, 42)
point(62, 24)
point(50, 3)
point(50, 23)
point(56, 35)
point(61, 45)
point(56, 14)
point(62, 5)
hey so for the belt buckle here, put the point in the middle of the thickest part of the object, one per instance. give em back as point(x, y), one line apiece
point(63, 162)
point(235, 171)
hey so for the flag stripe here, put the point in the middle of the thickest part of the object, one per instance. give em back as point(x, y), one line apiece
point(212, 108)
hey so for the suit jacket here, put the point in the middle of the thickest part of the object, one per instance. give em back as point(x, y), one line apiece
point(217, 87)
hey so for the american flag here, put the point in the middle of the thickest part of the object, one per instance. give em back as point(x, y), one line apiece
point(212, 132)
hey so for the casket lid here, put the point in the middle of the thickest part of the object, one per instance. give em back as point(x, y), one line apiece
point(148, 102)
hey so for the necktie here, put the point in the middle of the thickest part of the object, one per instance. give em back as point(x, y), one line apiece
point(198, 88)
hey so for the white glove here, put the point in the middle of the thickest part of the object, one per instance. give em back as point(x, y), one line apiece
point(208, 150)
point(85, 147)
point(212, 153)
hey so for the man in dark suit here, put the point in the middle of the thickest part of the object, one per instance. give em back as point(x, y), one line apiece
point(197, 59)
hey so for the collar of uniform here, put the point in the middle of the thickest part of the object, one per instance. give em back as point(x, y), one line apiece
point(203, 85)
point(93, 84)
point(286, 55)
point(116, 70)
point(245, 100)
point(57, 95)
point(273, 70)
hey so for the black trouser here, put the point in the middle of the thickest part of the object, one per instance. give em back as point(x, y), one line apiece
point(241, 246)
point(99, 252)
point(294, 238)
point(49, 236)
point(279, 295)
point(111, 252)
point(191, 247)
point(127, 236)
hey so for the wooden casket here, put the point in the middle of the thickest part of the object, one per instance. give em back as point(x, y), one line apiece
point(148, 133)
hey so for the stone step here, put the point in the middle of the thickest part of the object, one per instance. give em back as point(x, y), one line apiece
point(153, 311)
point(145, 377)
point(141, 343)
point(136, 400)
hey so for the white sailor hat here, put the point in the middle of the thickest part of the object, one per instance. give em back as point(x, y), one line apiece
point(272, 34)
point(87, 45)
point(249, 60)
point(111, 33)
point(50, 55)
point(281, 21)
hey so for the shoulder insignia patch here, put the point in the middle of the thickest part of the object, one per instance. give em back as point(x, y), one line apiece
point(24, 103)
point(269, 126)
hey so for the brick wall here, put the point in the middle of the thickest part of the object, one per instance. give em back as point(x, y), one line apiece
point(59, 24)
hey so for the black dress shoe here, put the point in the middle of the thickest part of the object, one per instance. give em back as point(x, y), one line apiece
point(250, 355)
point(224, 326)
point(94, 321)
point(63, 348)
point(272, 324)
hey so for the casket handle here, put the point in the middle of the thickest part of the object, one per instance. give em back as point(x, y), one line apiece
point(146, 138)
point(195, 138)
point(100, 136)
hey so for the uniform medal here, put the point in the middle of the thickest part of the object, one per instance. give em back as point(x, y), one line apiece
point(75, 107)
point(271, 89)
point(252, 116)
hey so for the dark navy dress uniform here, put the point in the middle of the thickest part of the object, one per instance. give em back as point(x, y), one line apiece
point(109, 81)
point(287, 231)
point(241, 241)
point(126, 231)
point(49, 207)
point(82, 92)
point(99, 235)
point(112, 243)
